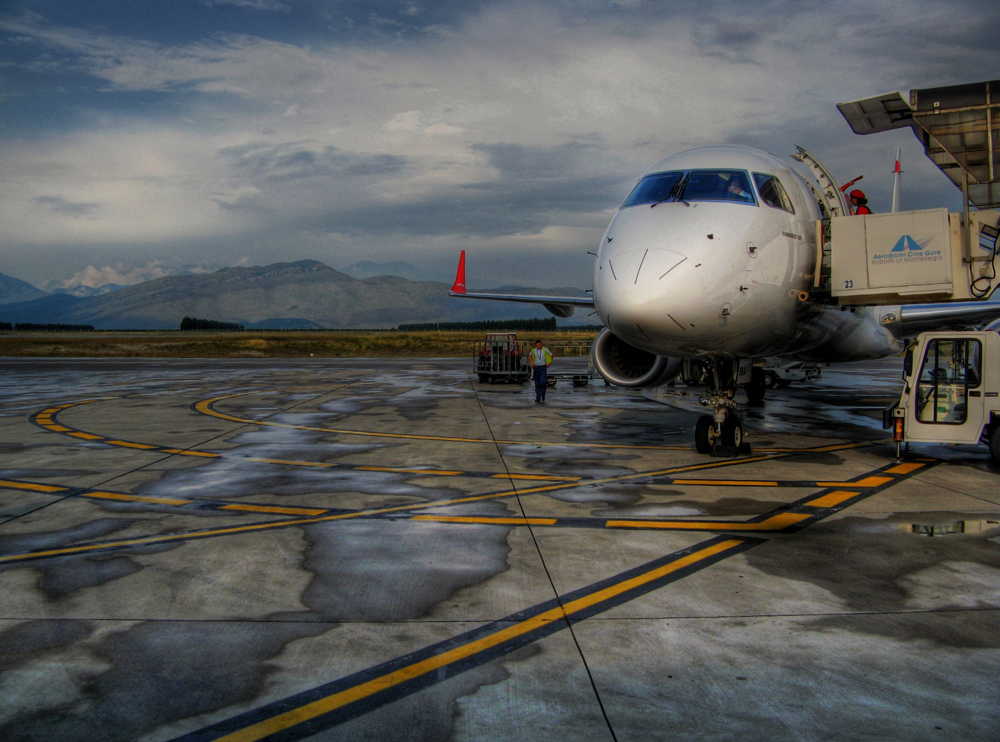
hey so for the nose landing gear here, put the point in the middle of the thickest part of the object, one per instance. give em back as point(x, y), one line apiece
point(720, 434)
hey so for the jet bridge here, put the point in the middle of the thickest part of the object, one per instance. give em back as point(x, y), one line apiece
point(930, 255)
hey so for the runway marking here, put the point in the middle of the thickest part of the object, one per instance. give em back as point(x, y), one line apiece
point(774, 523)
point(488, 520)
point(128, 444)
point(726, 482)
point(904, 468)
point(866, 482)
point(86, 436)
point(396, 470)
point(48, 423)
point(42, 417)
point(316, 710)
point(206, 407)
point(189, 452)
point(539, 477)
point(274, 509)
point(138, 498)
point(298, 522)
point(37, 487)
point(834, 498)
point(782, 518)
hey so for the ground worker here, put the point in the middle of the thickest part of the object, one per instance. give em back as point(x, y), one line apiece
point(858, 202)
point(540, 358)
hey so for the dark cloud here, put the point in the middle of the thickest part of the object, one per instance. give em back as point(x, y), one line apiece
point(293, 161)
point(71, 208)
point(535, 187)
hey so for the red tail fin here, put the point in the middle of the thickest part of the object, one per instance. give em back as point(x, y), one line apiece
point(459, 286)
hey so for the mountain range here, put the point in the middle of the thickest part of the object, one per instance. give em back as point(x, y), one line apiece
point(300, 295)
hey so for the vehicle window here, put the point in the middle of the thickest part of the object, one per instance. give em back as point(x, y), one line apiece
point(773, 193)
point(949, 369)
point(653, 188)
point(718, 185)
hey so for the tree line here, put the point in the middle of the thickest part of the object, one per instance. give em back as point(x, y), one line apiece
point(193, 323)
point(48, 326)
point(528, 325)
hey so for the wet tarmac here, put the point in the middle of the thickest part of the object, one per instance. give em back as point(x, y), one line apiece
point(390, 550)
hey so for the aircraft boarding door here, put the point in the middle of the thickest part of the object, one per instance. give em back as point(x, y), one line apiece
point(950, 373)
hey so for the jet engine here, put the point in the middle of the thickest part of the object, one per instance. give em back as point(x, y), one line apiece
point(623, 364)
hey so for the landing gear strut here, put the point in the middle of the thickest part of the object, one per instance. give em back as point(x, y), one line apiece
point(720, 434)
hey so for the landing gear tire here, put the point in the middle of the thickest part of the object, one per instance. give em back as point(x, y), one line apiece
point(704, 434)
point(732, 432)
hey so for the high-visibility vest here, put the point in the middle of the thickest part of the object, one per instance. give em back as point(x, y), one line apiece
point(540, 357)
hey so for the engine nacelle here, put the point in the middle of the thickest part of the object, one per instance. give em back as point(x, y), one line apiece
point(623, 364)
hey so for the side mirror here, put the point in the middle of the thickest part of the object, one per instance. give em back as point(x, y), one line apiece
point(908, 363)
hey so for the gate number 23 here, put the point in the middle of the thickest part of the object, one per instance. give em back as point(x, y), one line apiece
point(848, 284)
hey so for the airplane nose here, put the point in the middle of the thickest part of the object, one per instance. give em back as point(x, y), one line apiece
point(630, 285)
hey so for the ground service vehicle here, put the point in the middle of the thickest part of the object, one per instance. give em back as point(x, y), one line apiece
point(501, 357)
point(778, 373)
point(951, 391)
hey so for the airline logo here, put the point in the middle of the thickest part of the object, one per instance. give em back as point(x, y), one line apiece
point(909, 251)
point(907, 243)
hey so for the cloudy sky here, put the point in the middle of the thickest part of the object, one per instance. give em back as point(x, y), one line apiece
point(139, 137)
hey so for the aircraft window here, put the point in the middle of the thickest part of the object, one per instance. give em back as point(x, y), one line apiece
point(718, 185)
point(653, 188)
point(772, 192)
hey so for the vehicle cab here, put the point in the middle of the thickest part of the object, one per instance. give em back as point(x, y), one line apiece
point(951, 391)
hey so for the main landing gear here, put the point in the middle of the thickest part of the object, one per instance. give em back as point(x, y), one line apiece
point(720, 434)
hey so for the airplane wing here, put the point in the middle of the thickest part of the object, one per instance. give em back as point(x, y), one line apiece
point(560, 306)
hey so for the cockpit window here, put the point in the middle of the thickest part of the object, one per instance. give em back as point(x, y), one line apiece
point(654, 188)
point(718, 185)
point(693, 185)
point(772, 192)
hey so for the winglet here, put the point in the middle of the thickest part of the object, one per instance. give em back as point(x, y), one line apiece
point(459, 286)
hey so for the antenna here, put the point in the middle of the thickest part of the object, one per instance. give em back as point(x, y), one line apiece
point(896, 188)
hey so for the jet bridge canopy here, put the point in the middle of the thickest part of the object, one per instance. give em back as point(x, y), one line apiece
point(958, 125)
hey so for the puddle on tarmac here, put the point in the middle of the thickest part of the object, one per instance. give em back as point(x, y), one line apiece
point(931, 530)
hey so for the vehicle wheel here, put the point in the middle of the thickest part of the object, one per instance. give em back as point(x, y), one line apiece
point(995, 444)
point(579, 382)
point(492, 379)
point(704, 434)
point(770, 379)
point(550, 382)
point(757, 386)
point(483, 378)
point(732, 431)
point(783, 383)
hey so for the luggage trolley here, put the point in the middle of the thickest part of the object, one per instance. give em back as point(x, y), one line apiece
point(501, 358)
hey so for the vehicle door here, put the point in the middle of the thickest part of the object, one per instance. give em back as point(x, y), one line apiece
point(949, 396)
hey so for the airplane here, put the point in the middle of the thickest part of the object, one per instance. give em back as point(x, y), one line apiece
point(710, 259)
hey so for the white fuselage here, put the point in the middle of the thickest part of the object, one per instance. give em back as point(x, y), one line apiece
point(704, 272)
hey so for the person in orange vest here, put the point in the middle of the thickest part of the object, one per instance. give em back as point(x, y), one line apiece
point(858, 202)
